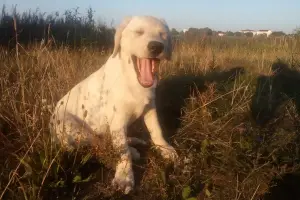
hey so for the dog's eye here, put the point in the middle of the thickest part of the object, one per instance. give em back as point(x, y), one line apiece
point(139, 32)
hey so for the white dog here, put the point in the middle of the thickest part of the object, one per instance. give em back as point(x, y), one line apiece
point(114, 96)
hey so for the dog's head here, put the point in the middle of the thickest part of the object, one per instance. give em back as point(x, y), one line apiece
point(147, 40)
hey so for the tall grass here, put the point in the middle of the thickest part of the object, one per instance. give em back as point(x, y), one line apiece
point(71, 28)
point(226, 154)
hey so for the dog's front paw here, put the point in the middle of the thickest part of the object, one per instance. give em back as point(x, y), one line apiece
point(169, 153)
point(123, 180)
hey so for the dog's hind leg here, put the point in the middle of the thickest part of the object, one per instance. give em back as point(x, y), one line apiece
point(71, 132)
point(135, 141)
point(134, 153)
point(132, 141)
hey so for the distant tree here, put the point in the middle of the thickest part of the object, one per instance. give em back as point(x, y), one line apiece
point(249, 34)
point(181, 33)
point(7, 20)
point(174, 32)
point(229, 33)
point(206, 31)
point(192, 31)
point(71, 29)
point(238, 34)
point(90, 17)
point(297, 31)
point(200, 32)
point(278, 33)
point(264, 35)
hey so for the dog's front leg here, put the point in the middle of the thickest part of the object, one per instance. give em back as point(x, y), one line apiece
point(153, 126)
point(124, 179)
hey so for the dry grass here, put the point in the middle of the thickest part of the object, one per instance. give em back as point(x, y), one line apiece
point(228, 156)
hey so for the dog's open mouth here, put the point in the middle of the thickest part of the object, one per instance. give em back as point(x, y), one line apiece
point(146, 68)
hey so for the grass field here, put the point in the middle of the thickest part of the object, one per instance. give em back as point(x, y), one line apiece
point(228, 106)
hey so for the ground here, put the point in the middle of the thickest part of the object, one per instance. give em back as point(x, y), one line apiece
point(228, 105)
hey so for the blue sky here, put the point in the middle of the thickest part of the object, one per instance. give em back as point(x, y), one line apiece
point(217, 14)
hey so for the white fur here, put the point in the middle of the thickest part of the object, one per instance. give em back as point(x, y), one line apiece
point(111, 98)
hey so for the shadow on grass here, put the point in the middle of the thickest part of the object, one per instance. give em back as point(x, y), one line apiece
point(286, 188)
point(272, 92)
point(172, 93)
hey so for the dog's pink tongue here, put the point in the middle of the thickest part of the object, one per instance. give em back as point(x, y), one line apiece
point(146, 76)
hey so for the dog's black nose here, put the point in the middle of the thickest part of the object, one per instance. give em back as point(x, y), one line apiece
point(155, 48)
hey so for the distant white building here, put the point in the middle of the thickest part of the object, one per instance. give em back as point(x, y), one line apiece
point(259, 32)
point(221, 34)
point(185, 30)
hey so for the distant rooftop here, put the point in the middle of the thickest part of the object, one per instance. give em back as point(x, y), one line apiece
point(247, 30)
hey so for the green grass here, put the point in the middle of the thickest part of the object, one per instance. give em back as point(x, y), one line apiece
point(206, 103)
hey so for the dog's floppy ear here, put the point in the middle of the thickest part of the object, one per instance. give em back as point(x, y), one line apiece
point(118, 34)
point(163, 21)
point(169, 48)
